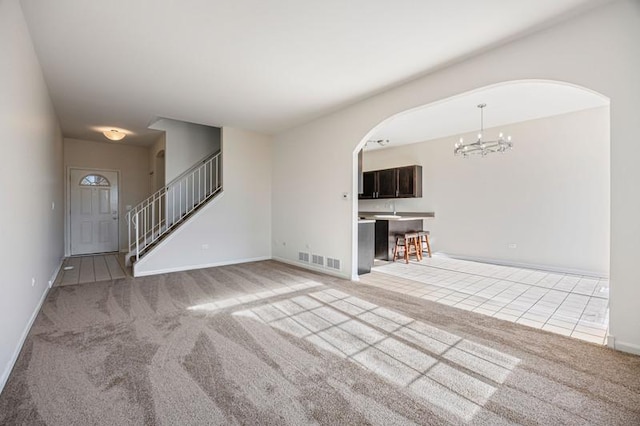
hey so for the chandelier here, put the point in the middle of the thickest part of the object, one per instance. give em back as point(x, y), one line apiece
point(482, 147)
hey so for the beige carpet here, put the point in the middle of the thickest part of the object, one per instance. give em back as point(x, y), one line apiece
point(267, 343)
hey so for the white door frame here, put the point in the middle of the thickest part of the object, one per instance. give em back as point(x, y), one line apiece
point(67, 204)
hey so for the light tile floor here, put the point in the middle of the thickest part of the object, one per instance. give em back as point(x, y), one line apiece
point(571, 305)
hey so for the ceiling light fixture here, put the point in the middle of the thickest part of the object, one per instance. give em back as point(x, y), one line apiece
point(480, 146)
point(114, 135)
point(381, 142)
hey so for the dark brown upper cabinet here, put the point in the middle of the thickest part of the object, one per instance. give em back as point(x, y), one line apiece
point(387, 183)
point(400, 182)
point(409, 182)
point(369, 185)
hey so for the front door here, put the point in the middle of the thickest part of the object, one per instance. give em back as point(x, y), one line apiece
point(93, 211)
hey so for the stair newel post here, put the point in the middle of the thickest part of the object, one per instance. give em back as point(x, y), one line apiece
point(160, 212)
point(153, 219)
point(137, 228)
point(217, 173)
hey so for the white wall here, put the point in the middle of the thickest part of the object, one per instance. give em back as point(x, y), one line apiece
point(130, 160)
point(158, 176)
point(315, 163)
point(186, 144)
point(236, 226)
point(30, 181)
point(549, 195)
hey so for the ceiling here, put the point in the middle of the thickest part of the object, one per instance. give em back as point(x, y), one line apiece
point(254, 64)
point(505, 104)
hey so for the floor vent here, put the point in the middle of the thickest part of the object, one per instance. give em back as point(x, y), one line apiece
point(317, 259)
point(303, 257)
point(333, 263)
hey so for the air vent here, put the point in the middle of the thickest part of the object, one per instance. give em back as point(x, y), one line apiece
point(333, 263)
point(317, 259)
point(303, 257)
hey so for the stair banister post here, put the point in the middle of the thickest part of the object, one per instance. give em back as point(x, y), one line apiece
point(137, 237)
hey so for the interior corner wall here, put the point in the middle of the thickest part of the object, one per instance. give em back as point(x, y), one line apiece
point(549, 195)
point(31, 188)
point(314, 163)
point(157, 178)
point(130, 160)
point(186, 144)
point(236, 226)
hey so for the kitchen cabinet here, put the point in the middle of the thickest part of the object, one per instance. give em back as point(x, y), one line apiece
point(409, 182)
point(399, 182)
point(369, 185)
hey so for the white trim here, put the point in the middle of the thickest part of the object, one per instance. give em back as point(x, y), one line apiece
point(201, 266)
point(616, 344)
point(67, 204)
point(23, 338)
point(172, 234)
point(55, 273)
point(572, 271)
point(304, 265)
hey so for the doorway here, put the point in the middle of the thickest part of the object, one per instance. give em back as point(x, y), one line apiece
point(93, 211)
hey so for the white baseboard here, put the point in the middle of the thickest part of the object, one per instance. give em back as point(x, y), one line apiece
point(314, 268)
point(616, 344)
point(56, 272)
point(23, 338)
point(201, 266)
point(562, 270)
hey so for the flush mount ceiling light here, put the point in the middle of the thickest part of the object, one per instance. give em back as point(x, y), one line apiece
point(482, 147)
point(114, 135)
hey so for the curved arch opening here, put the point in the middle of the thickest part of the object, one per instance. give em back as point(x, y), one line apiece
point(544, 205)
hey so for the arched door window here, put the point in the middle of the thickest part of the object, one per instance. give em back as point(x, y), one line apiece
point(94, 180)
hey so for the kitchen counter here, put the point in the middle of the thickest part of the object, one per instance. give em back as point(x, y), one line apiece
point(366, 221)
point(399, 216)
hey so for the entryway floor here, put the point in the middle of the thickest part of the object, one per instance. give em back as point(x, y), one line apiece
point(91, 268)
point(571, 305)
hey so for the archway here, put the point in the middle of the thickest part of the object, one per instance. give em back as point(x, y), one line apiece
point(510, 222)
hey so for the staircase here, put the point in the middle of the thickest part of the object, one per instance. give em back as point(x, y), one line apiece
point(153, 219)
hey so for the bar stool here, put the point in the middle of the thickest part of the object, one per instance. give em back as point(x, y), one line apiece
point(410, 244)
point(424, 240)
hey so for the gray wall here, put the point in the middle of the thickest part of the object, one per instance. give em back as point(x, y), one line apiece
point(31, 187)
point(186, 144)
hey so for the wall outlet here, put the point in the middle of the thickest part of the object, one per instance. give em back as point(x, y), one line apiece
point(205, 247)
point(53, 205)
point(512, 245)
point(33, 282)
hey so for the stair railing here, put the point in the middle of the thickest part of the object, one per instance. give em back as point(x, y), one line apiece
point(170, 205)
